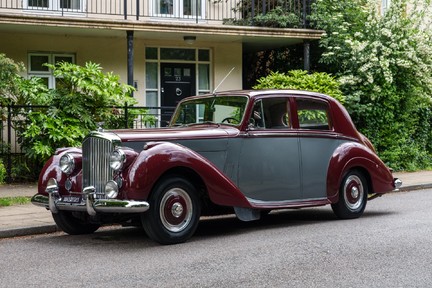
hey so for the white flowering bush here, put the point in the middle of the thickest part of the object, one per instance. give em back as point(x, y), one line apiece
point(384, 66)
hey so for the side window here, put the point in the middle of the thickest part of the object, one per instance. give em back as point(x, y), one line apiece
point(313, 114)
point(257, 120)
point(271, 113)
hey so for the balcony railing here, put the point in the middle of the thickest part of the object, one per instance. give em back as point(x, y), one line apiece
point(226, 11)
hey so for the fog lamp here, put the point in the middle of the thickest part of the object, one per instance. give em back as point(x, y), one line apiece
point(111, 189)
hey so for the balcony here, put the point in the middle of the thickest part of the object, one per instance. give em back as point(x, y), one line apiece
point(233, 12)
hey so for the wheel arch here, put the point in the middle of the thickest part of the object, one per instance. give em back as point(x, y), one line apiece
point(362, 170)
point(354, 156)
point(164, 159)
point(187, 173)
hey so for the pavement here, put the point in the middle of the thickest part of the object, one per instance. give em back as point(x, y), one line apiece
point(28, 219)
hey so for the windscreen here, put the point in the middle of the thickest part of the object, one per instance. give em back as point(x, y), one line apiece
point(211, 110)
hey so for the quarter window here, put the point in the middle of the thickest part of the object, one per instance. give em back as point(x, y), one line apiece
point(313, 114)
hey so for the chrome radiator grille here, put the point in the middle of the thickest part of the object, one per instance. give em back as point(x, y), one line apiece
point(96, 170)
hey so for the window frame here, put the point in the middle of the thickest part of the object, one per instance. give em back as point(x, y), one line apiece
point(55, 6)
point(178, 10)
point(51, 60)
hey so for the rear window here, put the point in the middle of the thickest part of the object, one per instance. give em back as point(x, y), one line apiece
point(313, 114)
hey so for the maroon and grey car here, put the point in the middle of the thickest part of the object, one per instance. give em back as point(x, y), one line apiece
point(242, 152)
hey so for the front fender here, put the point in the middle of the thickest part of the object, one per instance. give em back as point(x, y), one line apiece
point(52, 169)
point(357, 156)
point(159, 157)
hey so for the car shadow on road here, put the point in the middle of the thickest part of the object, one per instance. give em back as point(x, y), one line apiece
point(209, 227)
point(230, 225)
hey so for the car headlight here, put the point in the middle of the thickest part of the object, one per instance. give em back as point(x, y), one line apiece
point(67, 163)
point(111, 189)
point(117, 159)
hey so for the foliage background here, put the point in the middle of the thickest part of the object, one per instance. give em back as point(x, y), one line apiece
point(301, 80)
point(84, 99)
point(74, 108)
point(384, 66)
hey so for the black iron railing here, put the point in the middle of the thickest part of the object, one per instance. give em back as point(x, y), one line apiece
point(15, 119)
point(185, 10)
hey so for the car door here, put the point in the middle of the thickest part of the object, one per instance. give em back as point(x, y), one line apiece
point(317, 142)
point(269, 157)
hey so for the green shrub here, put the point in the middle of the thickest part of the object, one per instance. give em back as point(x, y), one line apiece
point(84, 99)
point(2, 172)
point(9, 73)
point(301, 80)
point(277, 18)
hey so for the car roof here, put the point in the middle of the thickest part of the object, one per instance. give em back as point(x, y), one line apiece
point(259, 93)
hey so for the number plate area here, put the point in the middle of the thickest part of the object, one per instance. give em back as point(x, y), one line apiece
point(72, 199)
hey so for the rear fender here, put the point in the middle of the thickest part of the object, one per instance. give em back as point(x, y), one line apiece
point(350, 156)
point(159, 157)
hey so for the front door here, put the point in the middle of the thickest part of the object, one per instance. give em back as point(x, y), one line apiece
point(269, 160)
point(177, 82)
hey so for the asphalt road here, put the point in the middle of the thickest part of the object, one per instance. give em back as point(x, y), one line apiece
point(390, 246)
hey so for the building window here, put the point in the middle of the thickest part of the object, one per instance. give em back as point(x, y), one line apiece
point(179, 8)
point(55, 5)
point(154, 56)
point(37, 68)
point(38, 4)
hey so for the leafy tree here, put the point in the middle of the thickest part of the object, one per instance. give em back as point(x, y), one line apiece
point(384, 66)
point(9, 74)
point(301, 80)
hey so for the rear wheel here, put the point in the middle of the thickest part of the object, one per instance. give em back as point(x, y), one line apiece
point(72, 225)
point(174, 211)
point(353, 194)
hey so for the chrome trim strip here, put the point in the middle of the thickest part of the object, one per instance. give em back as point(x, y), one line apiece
point(287, 203)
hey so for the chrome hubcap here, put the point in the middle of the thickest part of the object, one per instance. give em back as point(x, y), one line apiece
point(353, 192)
point(176, 210)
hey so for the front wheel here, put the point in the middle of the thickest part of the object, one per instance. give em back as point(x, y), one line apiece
point(72, 225)
point(174, 211)
point(353, 194)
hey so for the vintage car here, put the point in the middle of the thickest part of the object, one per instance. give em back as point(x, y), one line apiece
point(242, 152)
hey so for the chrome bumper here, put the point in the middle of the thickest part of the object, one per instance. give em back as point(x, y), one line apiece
point(54, 202)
